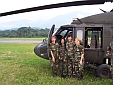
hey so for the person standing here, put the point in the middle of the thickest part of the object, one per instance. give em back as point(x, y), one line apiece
point(110, 54)
point(78, 59)
point(63, 59)
point(69, 48)
point(54, 47)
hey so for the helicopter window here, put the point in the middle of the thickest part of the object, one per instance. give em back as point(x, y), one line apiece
point(63, 32)
point(80, 34)
point(93, 38)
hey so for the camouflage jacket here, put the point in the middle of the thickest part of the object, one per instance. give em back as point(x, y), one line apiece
point(54, 48)
point(69, 47)
point(62, 52)
point(110, 50)
point(78, 51)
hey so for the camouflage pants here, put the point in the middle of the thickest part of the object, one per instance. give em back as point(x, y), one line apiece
point(111, 72)
point(63, 68)
point(77, 68)
point(55, 67)
point(70, 66)
point(111, 68)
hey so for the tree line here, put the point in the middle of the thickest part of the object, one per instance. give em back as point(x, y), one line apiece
point(24, 32)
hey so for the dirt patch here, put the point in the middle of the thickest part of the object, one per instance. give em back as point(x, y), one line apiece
point(20, 41)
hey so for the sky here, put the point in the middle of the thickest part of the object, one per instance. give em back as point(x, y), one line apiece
point(11, 5)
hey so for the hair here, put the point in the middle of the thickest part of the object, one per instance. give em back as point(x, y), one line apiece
point(69, 35)
point(64, 42)
point(79, 40)
point(53, 37)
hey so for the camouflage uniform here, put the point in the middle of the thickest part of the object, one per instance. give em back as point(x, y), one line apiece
point(78, 69)
point(69, 47)
point(110, 53)
point(63, 61)
point(54, 48)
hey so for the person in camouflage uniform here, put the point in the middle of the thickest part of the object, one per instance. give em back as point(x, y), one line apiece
point(69, 47)
point(63, 58)
point(54, 55)
point(78, 59)
point(110, 54)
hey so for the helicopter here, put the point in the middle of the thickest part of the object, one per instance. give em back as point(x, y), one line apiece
point(96, 32)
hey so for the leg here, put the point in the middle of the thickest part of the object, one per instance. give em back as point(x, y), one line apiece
point(74, 68)
point(69, 68)
point(64, 70)
point(111, 72)
point(80, 72)
point(111, 68)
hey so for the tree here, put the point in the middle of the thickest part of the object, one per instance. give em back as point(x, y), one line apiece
point(25, 32)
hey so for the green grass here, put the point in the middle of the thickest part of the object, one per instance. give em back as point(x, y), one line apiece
point(20, 66)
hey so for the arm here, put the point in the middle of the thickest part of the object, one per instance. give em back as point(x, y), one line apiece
point(82, 57)
point(53, 59)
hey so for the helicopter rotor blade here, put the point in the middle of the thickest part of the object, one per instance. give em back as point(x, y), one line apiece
point(58, 5)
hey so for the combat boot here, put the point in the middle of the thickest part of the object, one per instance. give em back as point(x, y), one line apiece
point(63, 76)
point(80, 78)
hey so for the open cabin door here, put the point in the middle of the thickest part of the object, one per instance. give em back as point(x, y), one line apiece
point(94, 52)
point(49, 39)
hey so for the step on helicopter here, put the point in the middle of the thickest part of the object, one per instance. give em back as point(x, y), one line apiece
point(96, 32)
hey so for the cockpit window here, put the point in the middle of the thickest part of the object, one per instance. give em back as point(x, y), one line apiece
point(63, 33)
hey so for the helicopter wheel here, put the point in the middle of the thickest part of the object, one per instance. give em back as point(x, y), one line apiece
point(103, 71)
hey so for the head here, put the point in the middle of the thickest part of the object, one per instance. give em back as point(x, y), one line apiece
point(53, 39)
point(77, 41)
point(62, 41)
point(111, 44)
point(69, 38)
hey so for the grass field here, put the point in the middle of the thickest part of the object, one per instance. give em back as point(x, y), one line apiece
point(20, 66)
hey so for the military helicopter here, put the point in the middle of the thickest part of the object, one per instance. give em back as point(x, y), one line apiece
point(96, 32)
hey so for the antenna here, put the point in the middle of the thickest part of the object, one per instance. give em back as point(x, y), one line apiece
point(103, 10)
point(79, 20)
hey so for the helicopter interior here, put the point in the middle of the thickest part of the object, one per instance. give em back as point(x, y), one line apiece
point(93, 37)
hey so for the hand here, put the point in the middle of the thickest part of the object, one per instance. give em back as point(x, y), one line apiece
point(53, 60)
point(81, 63)
point(64, 60)
point(59, 58)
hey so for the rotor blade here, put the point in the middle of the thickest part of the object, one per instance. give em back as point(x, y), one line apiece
point(66, 4)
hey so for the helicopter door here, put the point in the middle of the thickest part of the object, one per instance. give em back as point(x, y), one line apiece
point(49, 39)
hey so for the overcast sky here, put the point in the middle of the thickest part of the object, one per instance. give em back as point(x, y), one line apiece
point(10, 5)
